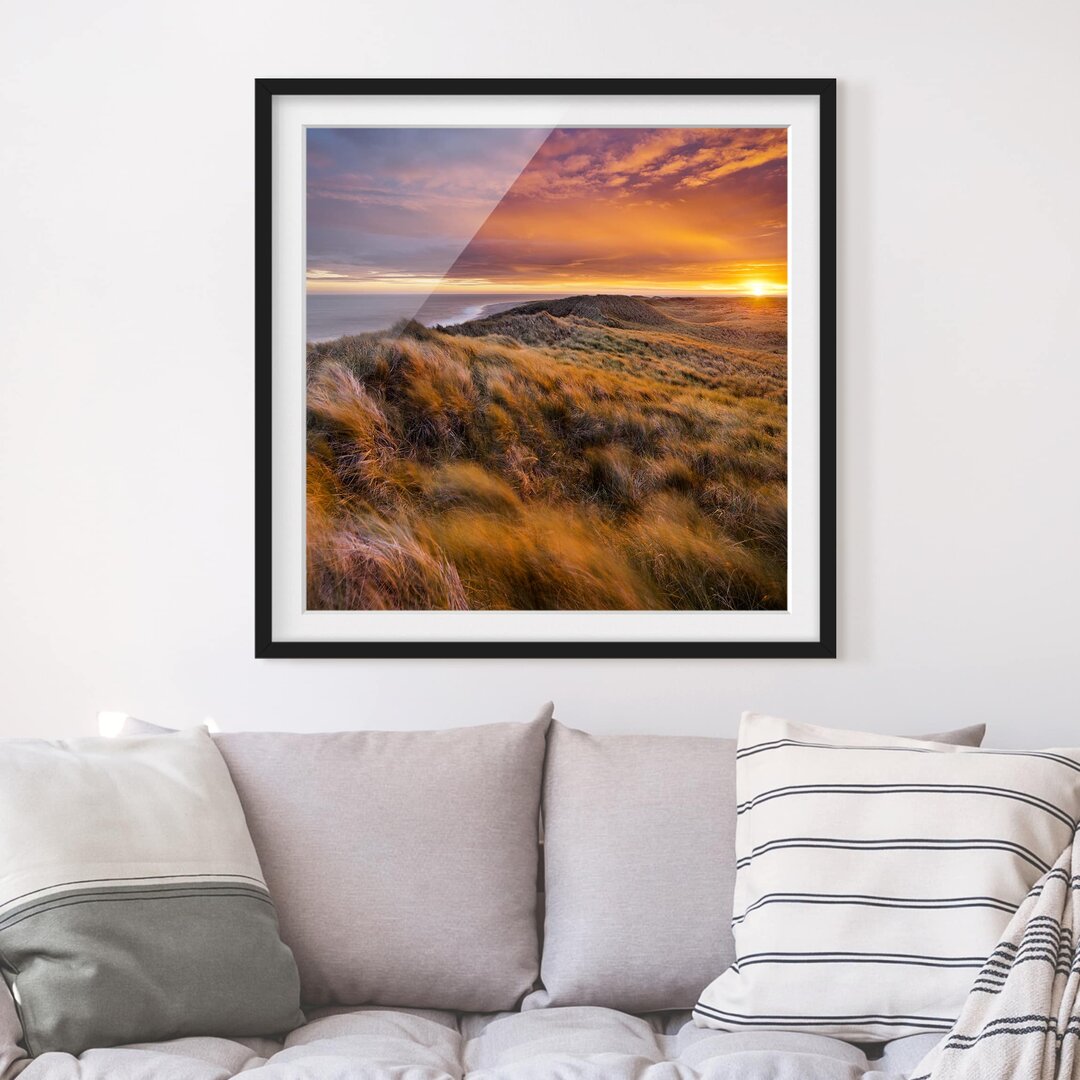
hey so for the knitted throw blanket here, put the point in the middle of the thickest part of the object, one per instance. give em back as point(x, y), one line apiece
point(1021, 1020)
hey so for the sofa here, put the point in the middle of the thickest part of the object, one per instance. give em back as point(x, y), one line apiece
point(517, 901)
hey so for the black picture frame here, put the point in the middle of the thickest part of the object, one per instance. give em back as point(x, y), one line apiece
point(267, 646)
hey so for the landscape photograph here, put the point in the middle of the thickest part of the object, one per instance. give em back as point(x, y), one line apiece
point(546, 369)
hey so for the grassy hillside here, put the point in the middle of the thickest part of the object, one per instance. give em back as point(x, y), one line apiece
point(588, 453)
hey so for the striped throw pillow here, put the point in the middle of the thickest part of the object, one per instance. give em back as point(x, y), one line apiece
point(876, 875)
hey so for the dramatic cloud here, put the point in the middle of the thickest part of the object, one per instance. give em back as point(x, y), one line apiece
point(398, 205)
point(626, 209)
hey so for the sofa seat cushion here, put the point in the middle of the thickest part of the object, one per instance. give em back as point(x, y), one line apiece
point(583, 1043)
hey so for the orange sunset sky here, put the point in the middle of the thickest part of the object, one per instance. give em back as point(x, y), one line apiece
point(577, 210)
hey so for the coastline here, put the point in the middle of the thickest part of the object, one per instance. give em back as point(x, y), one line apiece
point(330, 317)
point(376, 314)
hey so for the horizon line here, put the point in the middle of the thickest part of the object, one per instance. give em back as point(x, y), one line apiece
point(767, 291)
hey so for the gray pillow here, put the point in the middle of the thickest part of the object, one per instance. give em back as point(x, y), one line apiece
point(639, 867)
point(403, 864)
point(132, 904)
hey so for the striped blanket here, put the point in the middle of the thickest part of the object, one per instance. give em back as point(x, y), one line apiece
point(1021, 1020)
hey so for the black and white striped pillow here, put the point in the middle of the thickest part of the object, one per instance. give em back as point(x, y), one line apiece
point(875, 875)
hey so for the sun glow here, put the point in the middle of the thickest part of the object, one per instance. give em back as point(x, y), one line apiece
point(552, 285)
point(678, 211)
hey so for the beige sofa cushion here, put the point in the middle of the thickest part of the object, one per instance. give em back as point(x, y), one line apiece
point(639, 856)
point(367, 1043)
point(403, 864)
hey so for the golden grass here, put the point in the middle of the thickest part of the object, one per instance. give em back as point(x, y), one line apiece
point(619, 459)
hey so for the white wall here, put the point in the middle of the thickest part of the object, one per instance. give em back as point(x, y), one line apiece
point(126, 329)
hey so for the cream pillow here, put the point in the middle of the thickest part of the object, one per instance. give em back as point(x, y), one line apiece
point(132, 904)
point(875, 875)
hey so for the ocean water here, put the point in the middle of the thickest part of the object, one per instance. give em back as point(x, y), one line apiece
point(330, 317)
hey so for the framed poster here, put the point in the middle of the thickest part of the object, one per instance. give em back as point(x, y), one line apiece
point(545, 368)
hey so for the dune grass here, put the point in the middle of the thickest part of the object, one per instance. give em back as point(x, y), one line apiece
point(577, 458)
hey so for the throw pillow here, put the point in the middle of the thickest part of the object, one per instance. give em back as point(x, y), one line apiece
point(875, 875)
point(403, 863)
point(639, 848)
point(132, 904)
